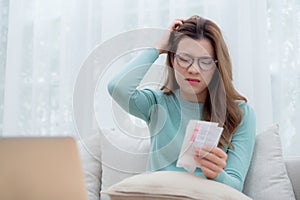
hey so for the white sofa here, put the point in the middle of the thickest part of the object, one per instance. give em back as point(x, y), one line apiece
point(110, 156)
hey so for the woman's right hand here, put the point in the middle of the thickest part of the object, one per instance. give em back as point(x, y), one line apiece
point(162, 43)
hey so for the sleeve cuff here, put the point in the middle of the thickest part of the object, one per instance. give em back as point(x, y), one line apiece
point(221, 176)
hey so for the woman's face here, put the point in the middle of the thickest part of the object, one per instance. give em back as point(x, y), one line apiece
point(193, 80)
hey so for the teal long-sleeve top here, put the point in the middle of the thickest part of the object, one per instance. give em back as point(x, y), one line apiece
point(167, 117)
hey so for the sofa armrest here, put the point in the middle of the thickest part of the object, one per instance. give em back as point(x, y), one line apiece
point(293, 166)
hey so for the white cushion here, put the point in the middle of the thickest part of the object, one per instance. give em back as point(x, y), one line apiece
point(172, 185)
point(123, 156)
point(90, 155)
point(267, 176)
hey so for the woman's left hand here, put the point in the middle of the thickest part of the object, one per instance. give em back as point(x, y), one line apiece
point(212, 160)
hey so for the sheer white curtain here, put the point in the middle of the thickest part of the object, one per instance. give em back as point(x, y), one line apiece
point(44, 43)
point(3, 46)
point(284, 63)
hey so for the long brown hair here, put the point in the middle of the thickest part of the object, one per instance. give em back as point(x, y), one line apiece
point(220, 104)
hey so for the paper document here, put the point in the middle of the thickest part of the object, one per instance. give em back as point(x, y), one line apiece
point(198, 134)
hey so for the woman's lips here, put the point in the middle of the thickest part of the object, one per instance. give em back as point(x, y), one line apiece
point(192, 80)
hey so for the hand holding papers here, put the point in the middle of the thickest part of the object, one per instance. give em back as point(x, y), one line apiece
point(198, 134)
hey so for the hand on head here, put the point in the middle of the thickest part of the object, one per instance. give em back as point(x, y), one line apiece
point(163, 43)
point(175, 24)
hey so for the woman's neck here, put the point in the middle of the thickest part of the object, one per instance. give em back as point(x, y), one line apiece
point(194, 98)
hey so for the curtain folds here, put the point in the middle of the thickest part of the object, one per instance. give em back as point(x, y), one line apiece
point(45, 43)
point(283, 62)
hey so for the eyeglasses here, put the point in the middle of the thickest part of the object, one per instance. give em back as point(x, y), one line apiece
point(205, 63)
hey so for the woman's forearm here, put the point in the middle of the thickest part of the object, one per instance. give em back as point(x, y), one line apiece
point(122, 86)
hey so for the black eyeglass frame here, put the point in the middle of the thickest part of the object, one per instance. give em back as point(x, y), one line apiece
point(192, 59)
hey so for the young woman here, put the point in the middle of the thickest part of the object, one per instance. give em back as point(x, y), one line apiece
point(199, 86)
